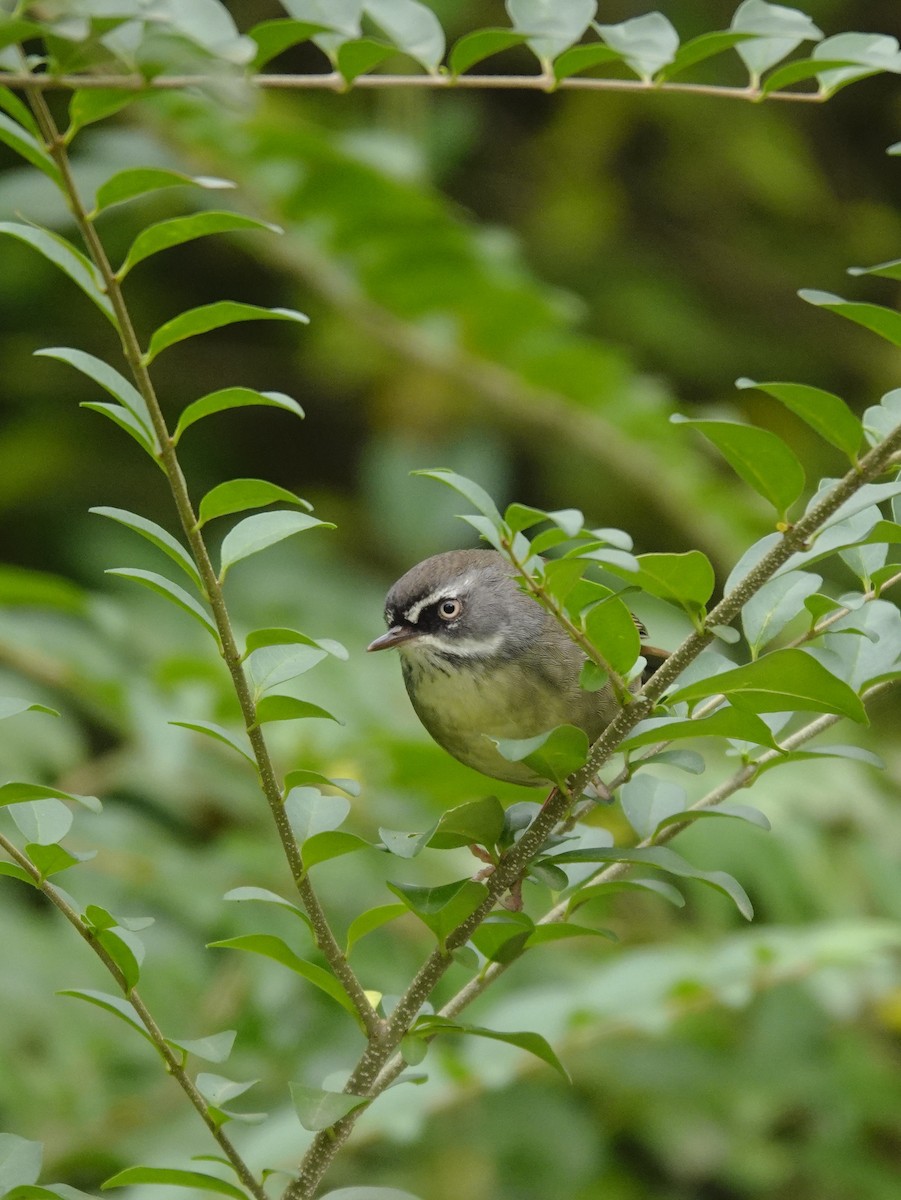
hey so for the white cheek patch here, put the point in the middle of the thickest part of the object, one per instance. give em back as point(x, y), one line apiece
point(447, 591)
point(430, 644)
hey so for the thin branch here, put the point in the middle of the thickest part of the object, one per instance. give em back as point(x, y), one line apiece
point(334, 82)
point(364, 1079)
point(173, 1061)
point(741, 778)
point(229, 650)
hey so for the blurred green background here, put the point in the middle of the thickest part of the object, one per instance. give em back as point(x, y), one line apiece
point(520, 287)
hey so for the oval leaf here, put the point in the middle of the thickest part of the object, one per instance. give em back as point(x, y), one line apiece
point(233, 397)
point(71, 262)
point(256, 533)
point(157, 536)
point(207, 317)
point(236, 495)
point(760, 457)
point(175, 1178)
point(175, 232)
point(138, 181)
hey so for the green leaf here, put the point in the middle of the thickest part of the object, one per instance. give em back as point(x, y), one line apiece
point(647, 43)
point(215, 1048)
point(374, 918)
point(43, 821)
point(11, 706)
point(265, 529)
point(783, 681)
point(359, 57)
point(232, 397)
point(683, 579)
point(597, 891)
point(89, 105)
point(886, 322)
point(700, 48)
point(175, 1178)
point(647, 800)
point(553, 755)
point(139, 181)
point(801, 69)
point(20, 1162)
point(158, 537)
point(582, 58)
point(114, 1004)
point(322, 847)
point(771, 608)
point(218, 1090)
point(14, 872)
point(303, 777)
point(287, 708)
point(479, 822)
point(27, 146)
point(664, 859)
point(781, 30)
point(274, 37)
point(474, 47)
point(270, 946)
point(404, 843)
point(109, 379)
point(552, 28)
point(272, 665)
point(502, 937)
point(171, 591)
point(126, 951)
point(318, 1109)
point(217, 315)
point(741, 812)
point(610, 627)
point(412, 27)
point(887, 270)
point(309, 812)
point(760, 457)
point(62, 254)
point(52, 859)
point(444, 907)
point(563, 931)
point(261, 638)
point(824, 412)
point(726, 722)
point(471, 491)
point(13, 30)
point(236, 495)
point(242, 894)
point(211, 730)
point(866, 54)
point(533, 1043)
point(125, 420)
point(178, 230)
point(20, 793)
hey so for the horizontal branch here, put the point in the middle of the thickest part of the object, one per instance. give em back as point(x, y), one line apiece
point(333, 81)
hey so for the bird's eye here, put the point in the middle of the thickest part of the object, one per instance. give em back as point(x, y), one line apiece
point(448, 609)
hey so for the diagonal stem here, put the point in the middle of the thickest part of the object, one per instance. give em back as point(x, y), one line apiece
point(174, 1063)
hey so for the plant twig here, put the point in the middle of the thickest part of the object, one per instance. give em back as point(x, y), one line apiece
point(173, 1061)
point(332, 81)
point(325, 939)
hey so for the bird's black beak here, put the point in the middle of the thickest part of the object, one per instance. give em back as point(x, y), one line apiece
point(396, 636)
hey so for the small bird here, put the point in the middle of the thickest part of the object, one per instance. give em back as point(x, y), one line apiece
point(481, 660)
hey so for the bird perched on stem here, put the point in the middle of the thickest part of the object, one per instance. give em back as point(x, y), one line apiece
point(482, 660)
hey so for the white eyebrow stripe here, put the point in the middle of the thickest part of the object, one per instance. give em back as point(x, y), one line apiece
point(448, 591)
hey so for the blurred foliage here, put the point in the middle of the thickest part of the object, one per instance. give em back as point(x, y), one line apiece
point(520, 287)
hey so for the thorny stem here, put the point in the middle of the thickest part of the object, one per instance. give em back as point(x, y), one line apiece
point(173, 1061)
